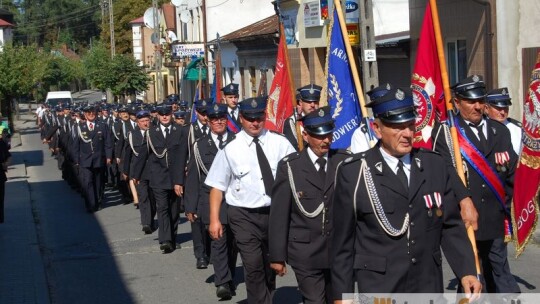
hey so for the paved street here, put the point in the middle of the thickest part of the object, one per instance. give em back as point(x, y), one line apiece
point(52, 251)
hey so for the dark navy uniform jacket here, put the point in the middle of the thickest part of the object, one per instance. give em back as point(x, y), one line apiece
point(490, 212)
point(196, 194)
point(293, 237)
point(363, 251)
point(92, 148)
point(168, 170)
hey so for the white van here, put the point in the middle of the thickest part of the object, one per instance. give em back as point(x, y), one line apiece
point(58, 97)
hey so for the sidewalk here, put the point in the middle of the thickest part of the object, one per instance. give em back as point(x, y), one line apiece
point(22, 278)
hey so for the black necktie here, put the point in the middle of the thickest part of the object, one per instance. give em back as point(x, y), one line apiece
point(483, 140)
point(264, 165)
point(220, 139)
point(322, 163)
point(204, 128)
point(402, 176)
point(166, 132)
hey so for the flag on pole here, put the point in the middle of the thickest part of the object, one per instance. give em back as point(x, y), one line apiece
point(280, 105)
point(342, 95)
point(427, 84)
point(217, 85)
point(527, 176)
point(195, 99)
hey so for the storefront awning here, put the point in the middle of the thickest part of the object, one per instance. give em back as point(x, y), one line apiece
point(192, 70)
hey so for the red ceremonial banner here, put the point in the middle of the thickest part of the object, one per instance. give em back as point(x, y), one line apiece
point(527, 176)
point(280, 105)
point(426, 84)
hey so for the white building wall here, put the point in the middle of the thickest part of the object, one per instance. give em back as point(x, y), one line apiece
point(529, 18)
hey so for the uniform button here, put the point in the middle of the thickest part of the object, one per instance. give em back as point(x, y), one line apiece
point(327, 232)
point(365, 265)
point(483, 185)
point(412, 224)
point(410, 205)
point(327, 221)
point(326, 209)
point(413, 242)
point(413, 260)
point(483, 200)
point(326, 196)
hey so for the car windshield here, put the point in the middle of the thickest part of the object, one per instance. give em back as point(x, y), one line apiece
point(53, 102)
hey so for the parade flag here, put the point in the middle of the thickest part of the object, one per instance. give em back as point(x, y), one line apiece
point(217, 85)
point(527, 176)
point(426, 84)
point(342, 95)
point(197, 96)
point(280, 104)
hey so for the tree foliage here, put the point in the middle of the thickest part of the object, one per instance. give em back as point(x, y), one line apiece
point(122, 74)
point(125, 11)
point(53, 22)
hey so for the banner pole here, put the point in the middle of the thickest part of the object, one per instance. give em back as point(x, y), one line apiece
point(291, 85)
point(449, 110)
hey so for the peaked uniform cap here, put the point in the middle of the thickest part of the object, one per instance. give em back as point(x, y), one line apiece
point(319, 122)
point(499, 98)
point(230, 89)
point(253, 107)
point(217, 110)
point(472, 87)
point(310, 93)
point(396, 106)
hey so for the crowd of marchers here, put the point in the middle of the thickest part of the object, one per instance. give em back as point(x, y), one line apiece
point(375, 217)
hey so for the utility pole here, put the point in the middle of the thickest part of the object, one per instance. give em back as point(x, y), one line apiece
point(367, 29)
point(157, 52)
point(111, 27)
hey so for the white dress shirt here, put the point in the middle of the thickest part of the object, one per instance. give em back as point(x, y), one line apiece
point(236, 171)
point(314, 159)
point(392, 162)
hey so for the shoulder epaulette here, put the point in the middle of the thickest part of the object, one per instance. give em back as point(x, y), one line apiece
point(354, 157)
point(516, 122)
point(233, 137)
point(291, 156)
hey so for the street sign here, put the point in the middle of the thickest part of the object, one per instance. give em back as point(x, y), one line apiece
point(187, 50)
point(370, 55)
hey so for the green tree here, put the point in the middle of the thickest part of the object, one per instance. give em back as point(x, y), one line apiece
point(125, 11)
point(53, 22)
point(21, 70)
point(97, 67)
point(130, 77)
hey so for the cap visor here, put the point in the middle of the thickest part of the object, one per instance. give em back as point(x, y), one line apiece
point(399, 118)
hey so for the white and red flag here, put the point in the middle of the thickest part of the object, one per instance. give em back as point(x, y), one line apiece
point(527, 176)
point(426, 84)
point(280, 104)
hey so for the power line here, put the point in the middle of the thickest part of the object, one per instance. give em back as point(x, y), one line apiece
point(62, 18)
point(46, 24)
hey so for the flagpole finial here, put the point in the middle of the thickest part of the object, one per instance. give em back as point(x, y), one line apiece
point(277, 9)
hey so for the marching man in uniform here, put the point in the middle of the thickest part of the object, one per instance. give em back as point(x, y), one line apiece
point(230, 96)
point(490, 163)
point(497, 106)
point(92, 151)
point(308, 101)
point(394, 208)
point(223, 252)
point(244, 172)
point(300, 215)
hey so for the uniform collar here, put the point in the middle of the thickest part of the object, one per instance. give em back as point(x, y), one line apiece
point(392, 161)
point(313, 157)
